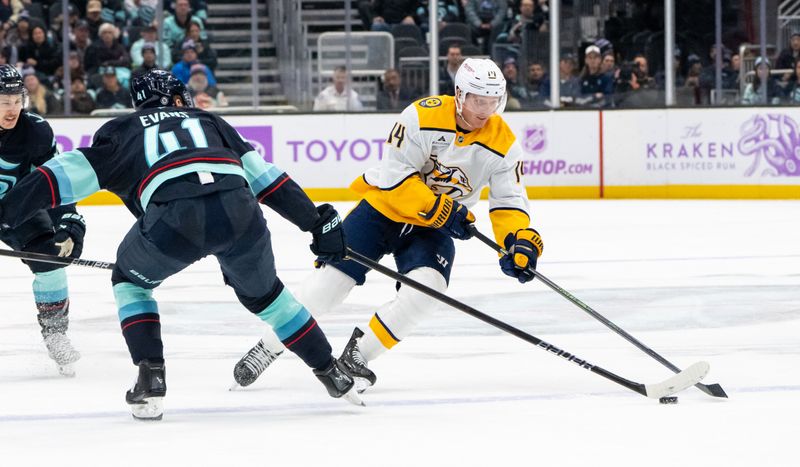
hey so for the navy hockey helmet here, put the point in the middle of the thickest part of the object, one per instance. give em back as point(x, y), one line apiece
point(11, 83)
point(158, 88)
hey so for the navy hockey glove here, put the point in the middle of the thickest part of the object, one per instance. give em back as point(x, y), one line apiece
point(524, 248)
point(69, 235)
point(329, 242)
point(450, 216)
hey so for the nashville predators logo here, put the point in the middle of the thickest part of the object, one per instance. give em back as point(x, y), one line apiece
point(430, 102)
point(443, 180)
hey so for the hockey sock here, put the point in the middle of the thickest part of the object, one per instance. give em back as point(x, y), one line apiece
point(51, 295)
point(323, 290)
point(396, 319)
point(297, 330)
point(139, 319)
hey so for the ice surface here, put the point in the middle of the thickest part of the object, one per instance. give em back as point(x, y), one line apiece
point(694, 280)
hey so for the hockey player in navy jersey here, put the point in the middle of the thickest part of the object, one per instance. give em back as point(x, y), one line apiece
point(438, 156)
point(27, 142)
point(193, 183)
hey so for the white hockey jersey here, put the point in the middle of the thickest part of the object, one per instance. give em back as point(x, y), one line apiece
point(426, 155)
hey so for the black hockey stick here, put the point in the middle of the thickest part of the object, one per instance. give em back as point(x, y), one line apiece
point(676, 383)
point(710, 389)
point(43, 258)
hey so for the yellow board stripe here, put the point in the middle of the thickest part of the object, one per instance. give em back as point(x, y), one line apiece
point(382, 333)
point(569, 192)
point(704, 192)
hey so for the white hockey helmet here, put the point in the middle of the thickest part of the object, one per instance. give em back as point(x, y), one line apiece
point(480, 76)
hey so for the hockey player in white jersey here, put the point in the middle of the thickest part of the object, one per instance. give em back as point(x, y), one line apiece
point(438, 156)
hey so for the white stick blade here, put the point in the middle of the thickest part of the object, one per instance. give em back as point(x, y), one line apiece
point(685, 379)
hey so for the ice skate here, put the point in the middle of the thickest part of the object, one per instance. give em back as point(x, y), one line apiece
point(61, 351)
point(339, 383)
point(356, 364)
point(146, 397)
point(250, 367)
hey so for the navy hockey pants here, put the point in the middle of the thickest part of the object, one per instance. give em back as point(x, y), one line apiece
point(229, 225)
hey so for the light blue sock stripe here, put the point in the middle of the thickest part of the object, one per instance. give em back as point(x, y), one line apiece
point(51, 286)
point(282, 311)
point(285, 331)
point(137, 308)
point(133, 300)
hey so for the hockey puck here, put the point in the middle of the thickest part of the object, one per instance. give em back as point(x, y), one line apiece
point(668, 400)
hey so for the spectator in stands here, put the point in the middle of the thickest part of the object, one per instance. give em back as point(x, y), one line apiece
point(93, 11)
point(536, 81)
point(21, 32)
point(390, 12)
point(569, 85)
point(56, 20)
point(626, 87)
point(76, 71)
point(107, 51)
point(205, 54)
point(394, 95)
point(42, 101)
point(39, 53)
point(609, 63)
point(596, 87)
point(692, 82)
point(447, 75)
point(176, 25)
point(792, 93)
point(519, 24)
point(541, 16)
point(762, 82)
point(82, 101)
point(449, 11)
point(661, 77)
point(205, 95)
point(148, 53)
point(736, 65)
point(81, 41)
point(338, 96)
point(642, 70)
point(788, 57)
point(182, 69)
point(150, 36)
point(514, 87)
point(198, 7)
point(486, 17)
point(9, 10)
point(366, 11)
point(112, 95)
point(4, 56)
point(141, 12)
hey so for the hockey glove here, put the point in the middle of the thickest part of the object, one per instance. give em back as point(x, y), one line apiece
point(450, 216)
point(329, 242)
point(69, 235)
point(524, 248)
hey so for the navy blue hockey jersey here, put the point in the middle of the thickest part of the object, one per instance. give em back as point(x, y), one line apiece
point(155, 155)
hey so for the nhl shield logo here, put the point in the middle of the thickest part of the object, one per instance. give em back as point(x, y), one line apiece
point(535, 140)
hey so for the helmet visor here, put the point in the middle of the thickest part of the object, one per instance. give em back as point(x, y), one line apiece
point(482, 105)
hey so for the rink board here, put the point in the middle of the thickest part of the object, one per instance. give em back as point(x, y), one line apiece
point(676, 153)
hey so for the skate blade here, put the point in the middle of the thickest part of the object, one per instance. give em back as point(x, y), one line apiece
point(361, 384)
point(351, 396)
point(152, 409)
point(67, 370)
point(235, 386)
